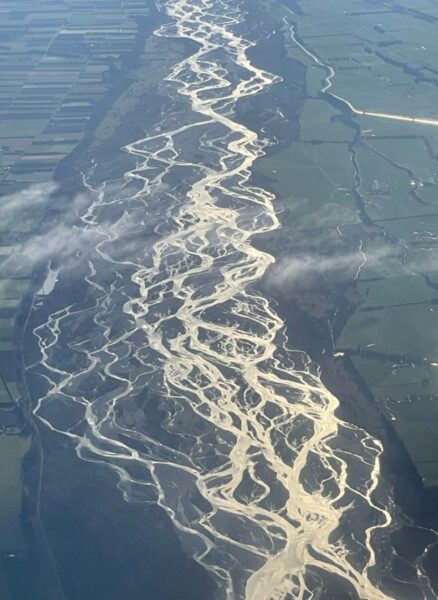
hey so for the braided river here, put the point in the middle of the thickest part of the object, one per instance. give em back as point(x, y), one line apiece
point(269, 490)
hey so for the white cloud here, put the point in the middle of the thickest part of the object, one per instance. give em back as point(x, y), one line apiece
point(305, 270)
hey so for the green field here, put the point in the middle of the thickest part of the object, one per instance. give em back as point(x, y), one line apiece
point(315, 183)
point(12, 450)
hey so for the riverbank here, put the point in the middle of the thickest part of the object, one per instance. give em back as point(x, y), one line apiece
point(316, 302)
point(105, 547)
point(316, 310)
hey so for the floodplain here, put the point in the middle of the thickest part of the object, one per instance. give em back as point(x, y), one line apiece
point(373, 182)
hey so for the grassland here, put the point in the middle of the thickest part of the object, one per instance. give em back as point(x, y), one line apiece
point(13, 448)
point(315, 181)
